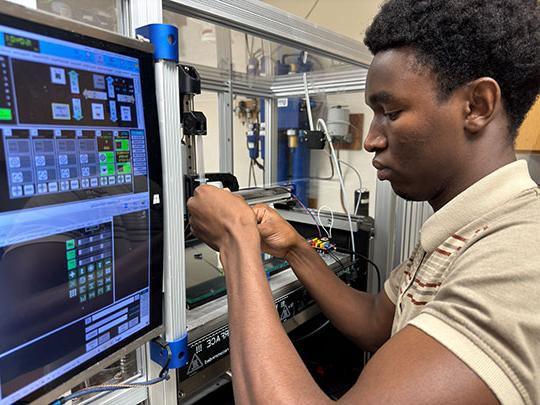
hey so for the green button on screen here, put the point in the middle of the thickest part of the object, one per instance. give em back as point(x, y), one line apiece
point(6, 114)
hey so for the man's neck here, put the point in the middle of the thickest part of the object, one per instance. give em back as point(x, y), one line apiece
point(478, 168)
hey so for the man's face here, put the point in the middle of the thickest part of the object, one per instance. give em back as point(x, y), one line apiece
point(417, 138)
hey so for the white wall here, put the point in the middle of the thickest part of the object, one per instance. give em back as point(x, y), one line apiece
point(346, 17)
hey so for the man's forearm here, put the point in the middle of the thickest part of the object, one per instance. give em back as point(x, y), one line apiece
point(259, 345)
point(353, 313)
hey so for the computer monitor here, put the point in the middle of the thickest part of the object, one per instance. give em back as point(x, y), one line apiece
point(81, 225)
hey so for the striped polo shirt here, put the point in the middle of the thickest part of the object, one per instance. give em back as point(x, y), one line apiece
point(473, 282)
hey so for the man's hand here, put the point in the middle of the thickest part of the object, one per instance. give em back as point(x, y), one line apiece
point(278, 237)
point(216, 215)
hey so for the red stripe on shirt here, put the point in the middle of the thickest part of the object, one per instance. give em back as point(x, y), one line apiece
point(442, 252)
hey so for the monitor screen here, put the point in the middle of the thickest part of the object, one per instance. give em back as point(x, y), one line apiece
point(80, 214)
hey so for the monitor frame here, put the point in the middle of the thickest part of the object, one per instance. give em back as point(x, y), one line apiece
point(46, 24)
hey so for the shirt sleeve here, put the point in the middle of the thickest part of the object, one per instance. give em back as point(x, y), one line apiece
point(486, 312)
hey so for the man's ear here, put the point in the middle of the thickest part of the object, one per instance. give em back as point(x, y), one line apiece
point(483, 103)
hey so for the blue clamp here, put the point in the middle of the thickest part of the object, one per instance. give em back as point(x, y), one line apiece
point(179, 351)
point(164, 37)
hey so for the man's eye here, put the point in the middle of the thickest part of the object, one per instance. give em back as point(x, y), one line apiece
point(392, 115)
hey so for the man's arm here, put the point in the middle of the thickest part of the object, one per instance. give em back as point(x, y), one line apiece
point(364, 318)
point(410, 368)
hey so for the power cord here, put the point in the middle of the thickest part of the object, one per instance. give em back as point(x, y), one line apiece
point(377, 270)
point(163, 376)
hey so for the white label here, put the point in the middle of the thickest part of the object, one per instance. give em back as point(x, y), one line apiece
point(125, 113)
point(97, 111)
point(95, 95)
point(58, 75)
point(125, 98)
point(156, 199)
point(282, 102)
point(60, 111)
point(99, 82)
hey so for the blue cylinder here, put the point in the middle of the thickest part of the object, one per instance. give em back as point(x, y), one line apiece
point(253, 146)
point(164, 37)
point(283, 159)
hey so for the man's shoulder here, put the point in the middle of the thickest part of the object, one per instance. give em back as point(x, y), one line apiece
point(517, 220)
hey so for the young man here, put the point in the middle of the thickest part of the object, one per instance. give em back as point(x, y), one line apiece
point(450, 83)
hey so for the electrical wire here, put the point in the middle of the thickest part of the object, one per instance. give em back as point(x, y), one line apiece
point(331, 168)
point(253, 172)
point(258, 164)
point(337, 259)
point(163, 376)
point(329, 232)
point(309, 212)
point(308, 335)
point(359, 181)
point(308, 102)
point(249, 173)
point(311, 9)
point(377, 270)
point(322, 124)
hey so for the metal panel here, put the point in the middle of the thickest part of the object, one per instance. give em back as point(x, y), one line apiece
point(168, 97)
point(144, 12)
point(265, 21)
point(270, 143)
point(214, 79)
point(344, 80)
point(385, 219)
point(225, 103)
point(130, 396)
point(410, 216)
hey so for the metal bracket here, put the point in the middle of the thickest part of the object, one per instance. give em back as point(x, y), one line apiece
point(179, 353)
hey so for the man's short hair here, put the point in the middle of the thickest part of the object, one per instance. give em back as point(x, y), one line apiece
point(463, 40)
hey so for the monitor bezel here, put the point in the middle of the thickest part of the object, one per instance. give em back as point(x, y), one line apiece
point(48, 25)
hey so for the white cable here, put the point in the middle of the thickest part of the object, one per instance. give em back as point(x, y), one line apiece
point(308, 103)
point(329, 232)
point(359, 180)
point(357, 175)
point(321, 123)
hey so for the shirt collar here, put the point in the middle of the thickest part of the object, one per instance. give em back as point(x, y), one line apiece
point(482, 197)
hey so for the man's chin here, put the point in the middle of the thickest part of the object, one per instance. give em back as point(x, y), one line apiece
point(409, 195)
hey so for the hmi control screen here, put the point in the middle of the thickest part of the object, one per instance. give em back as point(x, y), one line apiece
point(79, 175)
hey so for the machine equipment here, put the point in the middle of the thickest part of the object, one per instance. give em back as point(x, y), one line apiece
point(86, 218)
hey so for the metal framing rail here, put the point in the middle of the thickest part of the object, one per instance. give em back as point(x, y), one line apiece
point(257, 18)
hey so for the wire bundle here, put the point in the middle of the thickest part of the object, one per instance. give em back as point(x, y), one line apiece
point(163, 376)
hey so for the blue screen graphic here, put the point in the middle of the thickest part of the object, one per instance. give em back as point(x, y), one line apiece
point(74, 214)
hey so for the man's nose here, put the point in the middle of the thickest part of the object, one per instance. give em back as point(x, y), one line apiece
point(375, 140)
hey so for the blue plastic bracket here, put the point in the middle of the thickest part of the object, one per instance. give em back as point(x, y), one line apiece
point(179, 351)
point(164, 37)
